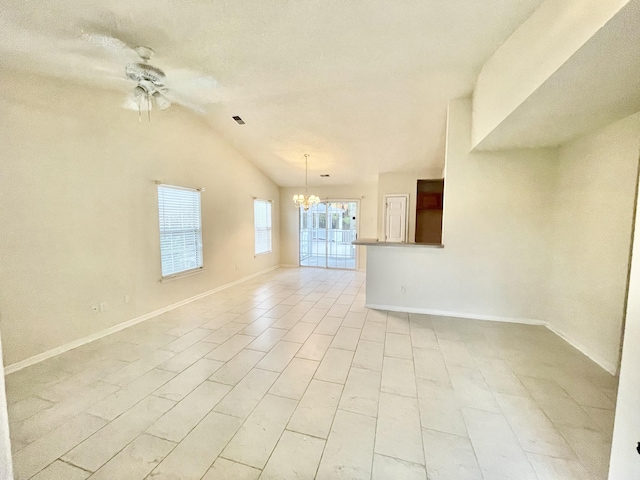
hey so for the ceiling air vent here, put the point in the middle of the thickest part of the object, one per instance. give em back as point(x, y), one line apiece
point(239, 120)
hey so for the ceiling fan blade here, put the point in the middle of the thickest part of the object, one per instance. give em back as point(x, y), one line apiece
point(179, 99)
point(193, 86)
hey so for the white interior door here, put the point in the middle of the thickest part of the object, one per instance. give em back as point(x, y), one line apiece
point(396, 218)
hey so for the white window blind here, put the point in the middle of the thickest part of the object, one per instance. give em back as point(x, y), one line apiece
point(262, 225)
point(180, 229)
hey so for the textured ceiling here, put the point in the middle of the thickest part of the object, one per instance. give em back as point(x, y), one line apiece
point(362, 86)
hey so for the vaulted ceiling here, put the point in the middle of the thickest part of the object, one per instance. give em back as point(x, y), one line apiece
point(361, 86)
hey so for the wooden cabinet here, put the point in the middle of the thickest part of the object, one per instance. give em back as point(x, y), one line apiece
point(429, 211)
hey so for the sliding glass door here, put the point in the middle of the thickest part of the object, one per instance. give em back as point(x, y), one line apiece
point(326, 232)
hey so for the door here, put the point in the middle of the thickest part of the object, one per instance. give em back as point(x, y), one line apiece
point(326, 232)
point(396, 218)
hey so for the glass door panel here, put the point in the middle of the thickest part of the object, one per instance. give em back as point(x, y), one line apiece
point(326, 232)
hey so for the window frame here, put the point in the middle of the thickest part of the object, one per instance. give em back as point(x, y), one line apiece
point(268, 229)
point(198, 230)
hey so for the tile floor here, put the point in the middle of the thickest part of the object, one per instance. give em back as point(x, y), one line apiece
point(288, 376)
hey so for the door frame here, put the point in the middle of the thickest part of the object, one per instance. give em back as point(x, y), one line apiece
point(406, 214)
point(336, 200)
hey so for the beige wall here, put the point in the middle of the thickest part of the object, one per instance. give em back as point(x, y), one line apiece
point(528, 59)
point(290, 223)
point(495, 235)
point(592, 220)
point(79, 211)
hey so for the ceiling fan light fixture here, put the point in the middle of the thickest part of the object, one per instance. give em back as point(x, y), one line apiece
point(162, 102)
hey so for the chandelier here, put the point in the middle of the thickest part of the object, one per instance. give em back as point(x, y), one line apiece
point(305, 201)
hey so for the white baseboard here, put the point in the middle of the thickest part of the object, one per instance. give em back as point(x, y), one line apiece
point(446, 313)
point(14, 367)
point(607, 365)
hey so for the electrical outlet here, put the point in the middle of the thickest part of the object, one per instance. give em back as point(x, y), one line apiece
point(127, 299)
point(403, 289)
point(104, 306)
point(95, 308)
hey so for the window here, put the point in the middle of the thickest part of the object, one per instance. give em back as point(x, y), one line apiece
point(262, 225)
point(180, 229)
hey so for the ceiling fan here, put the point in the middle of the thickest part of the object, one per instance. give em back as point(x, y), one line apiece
point(154, 88)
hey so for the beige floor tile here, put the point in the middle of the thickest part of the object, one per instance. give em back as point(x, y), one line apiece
point(278, 311)
point(543, 389)
point(187, 357)
point(315, 347)
point(471, 390)
point(603, 417)
point(46, 449)
point(295, 456)
point(334, 366)
point(398, 322)
point(354, 319)
point(456, 354)
point(135, 370)
point(361, 392)
point(299, 333)
point(279, 357)
point(184, 383)
point(497, 449)
point(44, 421)
point(223, 469)
point(123, 399)
point(549, 468)
point(61, 471)
point(398, 345)
point(316, 410)
point(377, 316)
point(586, 394)
point(235, 369)
point(230, 348)
point(424, 337)
point(247, 394)
point(449, 457)
point(295, 378)
point(26, 408)
point(328, 326)
point(224, 333)
point(593, 448)
point(258, 326)
point(191, 459)
point(374, 331)
point(398, 377)
point(288, 320)
point(439, 409)
point(398, 432)
point(257, 437)
point(314, 315)
point(175, 424)
point(565, 411)
point(369, 355)
point(385, 468)
point(429, 365)
point(136, 460)
point(337, 310)
point(250, 316)
point(534, 430)
point(186, 340)
point(96, 450)
point(348, 453)
point(346, 338)
point(268, 339)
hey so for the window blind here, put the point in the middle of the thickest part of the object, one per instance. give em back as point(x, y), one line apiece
point(262, 226)
point(180, 229)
